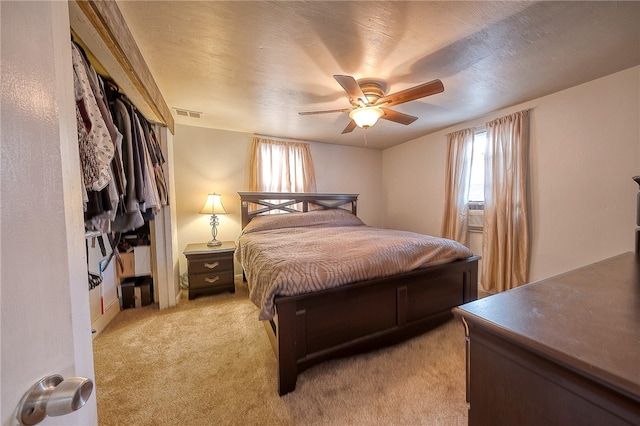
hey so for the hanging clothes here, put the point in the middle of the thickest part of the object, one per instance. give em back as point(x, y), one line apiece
point(122, 163)
point(129, 216)
point(100, 145)
point(158, 169)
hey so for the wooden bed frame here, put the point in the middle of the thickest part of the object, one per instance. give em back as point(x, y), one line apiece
point(311, 328)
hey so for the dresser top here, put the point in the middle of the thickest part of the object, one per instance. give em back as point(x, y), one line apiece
point(587, 319)
point(203, 248)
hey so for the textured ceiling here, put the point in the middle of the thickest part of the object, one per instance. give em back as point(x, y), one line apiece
point(252, 66)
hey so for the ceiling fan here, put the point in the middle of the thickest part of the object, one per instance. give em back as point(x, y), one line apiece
point(370, 102)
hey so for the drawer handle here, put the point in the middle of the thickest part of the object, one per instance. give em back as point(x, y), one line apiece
point(211, 280)
point(211, 265)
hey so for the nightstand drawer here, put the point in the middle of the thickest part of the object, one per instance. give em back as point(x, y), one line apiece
point(210, 280)
point(207, 264)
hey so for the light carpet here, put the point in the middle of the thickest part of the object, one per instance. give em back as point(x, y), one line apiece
point(208, 361)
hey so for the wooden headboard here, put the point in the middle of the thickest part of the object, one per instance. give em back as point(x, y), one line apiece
point(292, 202)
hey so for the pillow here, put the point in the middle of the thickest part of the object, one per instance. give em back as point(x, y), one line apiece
point(315, 218)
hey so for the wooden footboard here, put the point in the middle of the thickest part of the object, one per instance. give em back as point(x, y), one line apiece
point(312, 328)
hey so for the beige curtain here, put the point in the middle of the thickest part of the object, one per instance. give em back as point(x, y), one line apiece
point(505, 250)
point(279, 166)
point(457, 181)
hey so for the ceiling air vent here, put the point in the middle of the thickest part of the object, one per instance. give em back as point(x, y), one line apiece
point(186, 113)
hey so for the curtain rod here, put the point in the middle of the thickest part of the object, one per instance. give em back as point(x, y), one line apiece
point(275, 138)
point(494, 112)
point(483, 126)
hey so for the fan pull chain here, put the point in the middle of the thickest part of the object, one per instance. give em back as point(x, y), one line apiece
point(364, 132)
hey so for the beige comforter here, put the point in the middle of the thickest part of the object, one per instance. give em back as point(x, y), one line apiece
point(297, 253)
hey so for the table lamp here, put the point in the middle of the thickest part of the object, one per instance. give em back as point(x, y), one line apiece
point(214, 207)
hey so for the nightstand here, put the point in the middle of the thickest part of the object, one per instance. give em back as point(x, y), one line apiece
point(210, 269)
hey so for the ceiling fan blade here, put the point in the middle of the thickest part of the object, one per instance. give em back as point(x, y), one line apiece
point(324, 112)
point(398, 117)
point(413, 93)
point(350, 127)
point(351, 86)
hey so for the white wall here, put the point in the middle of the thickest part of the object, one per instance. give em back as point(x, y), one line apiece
point(352, 170)
point(585, 147)
point(210, 160)
point(413, 176)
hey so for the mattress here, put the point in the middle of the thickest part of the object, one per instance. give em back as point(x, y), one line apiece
point(297, 253)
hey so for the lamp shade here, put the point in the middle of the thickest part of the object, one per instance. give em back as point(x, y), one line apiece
point(366, 116)
point(213, 205)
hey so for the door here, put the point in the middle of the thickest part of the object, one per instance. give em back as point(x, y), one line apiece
point(45, 321)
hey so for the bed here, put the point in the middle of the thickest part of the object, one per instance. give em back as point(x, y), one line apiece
point(309, 312)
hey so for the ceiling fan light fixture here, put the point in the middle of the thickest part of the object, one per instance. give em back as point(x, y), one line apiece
point(366, 117)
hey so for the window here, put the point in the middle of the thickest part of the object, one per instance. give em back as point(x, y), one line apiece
point(476, 188)
point(281, 166)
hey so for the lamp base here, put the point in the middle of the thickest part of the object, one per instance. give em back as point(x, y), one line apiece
point(214, 243)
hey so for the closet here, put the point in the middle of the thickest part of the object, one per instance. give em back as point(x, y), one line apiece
point(131, 248)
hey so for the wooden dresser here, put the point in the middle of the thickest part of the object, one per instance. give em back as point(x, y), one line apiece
point(561, 351)
point(210, 269)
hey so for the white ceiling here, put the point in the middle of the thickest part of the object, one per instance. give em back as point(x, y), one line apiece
point(252, 66)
